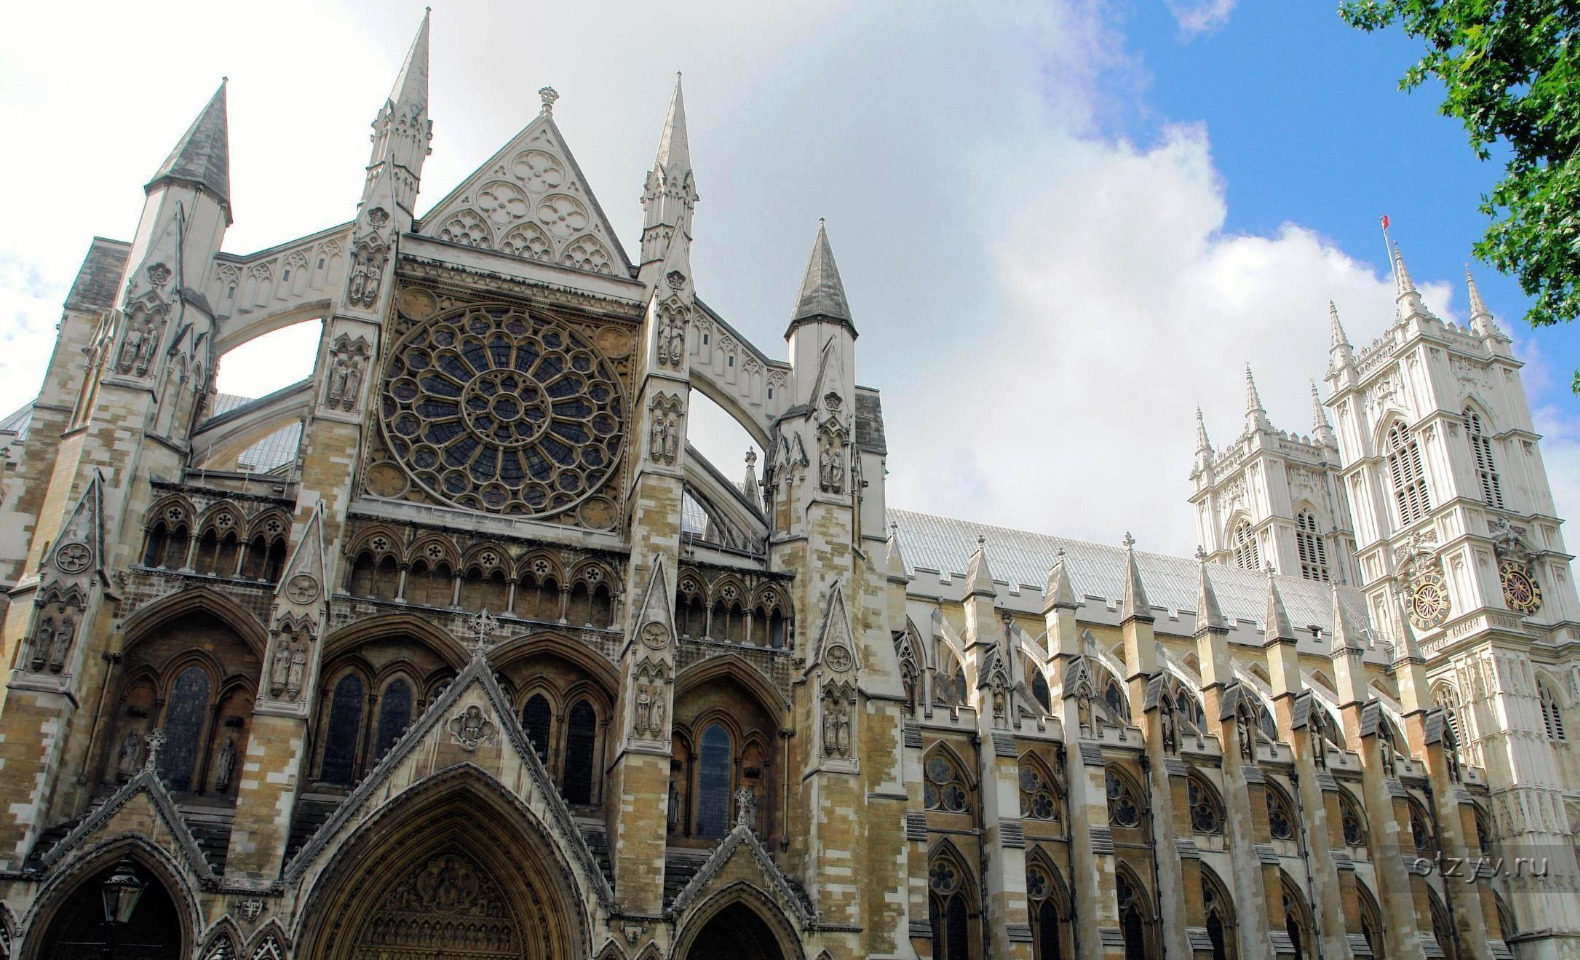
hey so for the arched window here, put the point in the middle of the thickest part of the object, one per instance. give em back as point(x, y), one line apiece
point(713, 782)
point(1044, 914)
point(394, 715)
point(1219, 910)
point(1410, 494)
point(1552, 715)
point(154, 545)
point(1445, 696)
point(184, 717)
point(1442, 928)
point(944, 788)
point(1483, 831)
point(1039, 690)
point(1280, 818)
point(946, 910)
point(1114, 697)
point(1312, 548)
point(1295, 923)
point(581, 735)
point(1481, 451)
point(1206, 811)
point(1350, 819)
point(1124, 804)
point(1132, 917)
point(1038, 801)
point(1371, 922)
point(1243, 541)
point(345, 724)
point(536, 718)
point(1421, 831)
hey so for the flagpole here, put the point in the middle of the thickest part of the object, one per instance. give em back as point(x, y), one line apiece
point(1388, 246)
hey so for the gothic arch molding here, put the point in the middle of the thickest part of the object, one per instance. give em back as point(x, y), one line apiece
point(377, 628)
point(749, 896)
point(552, 644)
point(458, 841)
point(142, 624)
point(59, 889)
point(734, 667)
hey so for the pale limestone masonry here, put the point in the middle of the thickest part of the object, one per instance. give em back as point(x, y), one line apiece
point(492, 663)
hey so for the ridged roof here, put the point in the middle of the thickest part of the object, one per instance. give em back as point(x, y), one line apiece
point(100, 277)
point(1097, 571)
point(822, 292)
point(203, 154)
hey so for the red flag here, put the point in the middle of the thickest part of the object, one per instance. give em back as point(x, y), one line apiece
point(1385, 221)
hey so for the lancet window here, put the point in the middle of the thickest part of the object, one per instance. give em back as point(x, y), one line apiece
point(1552, 711)
point(1312, 549)
point(1243, 542)
point(1481, 452)
point(1206, 810)
point(948, 912)
point(1410, 493)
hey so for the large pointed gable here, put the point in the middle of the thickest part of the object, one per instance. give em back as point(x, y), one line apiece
point(530, 200)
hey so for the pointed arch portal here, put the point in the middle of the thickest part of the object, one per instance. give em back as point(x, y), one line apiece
point(459, 875)
point(735, 933)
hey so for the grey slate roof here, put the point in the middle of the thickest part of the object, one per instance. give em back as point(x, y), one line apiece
point(1021, 560)
point(869, 423)
point(203, 154)
point(271, 453)
point(100, 276)
point(18, 422)
point(822, 293)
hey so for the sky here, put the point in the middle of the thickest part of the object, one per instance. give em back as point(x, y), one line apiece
point(1061, 225)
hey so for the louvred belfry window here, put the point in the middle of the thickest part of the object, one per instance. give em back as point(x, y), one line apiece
point(1246, 555)
point(1312, 548)
point(1481, 451)
point(1409, 476)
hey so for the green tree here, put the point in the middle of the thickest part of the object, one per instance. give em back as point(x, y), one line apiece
point(1511, 74)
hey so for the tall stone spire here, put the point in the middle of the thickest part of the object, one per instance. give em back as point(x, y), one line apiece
point(669, 196)
point(1407, 299)
point(822, 294)
point(1321, 429)
point(401, 134)
point(1204, 455)
point(1481, 321)
point(202, 156)
point(1340, 353)
point(1255, 413)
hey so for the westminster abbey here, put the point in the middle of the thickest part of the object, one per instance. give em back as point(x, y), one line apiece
point(457, 650)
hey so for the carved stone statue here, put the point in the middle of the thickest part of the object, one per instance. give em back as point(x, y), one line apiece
point(1246, 729)
point(129, 759)
point(43, 639)
point(673, 815)
point(1083, 709)
point(1168, 724)
point(836, 728)
point(297, 672)
point(367, 268)
point(831, 466)
point(658, 713)
point(671, 339)
point(344, 381)
point(225, 764)
point(62, 644)
point(280, 667)
point(644, 710)
point(1000, 708)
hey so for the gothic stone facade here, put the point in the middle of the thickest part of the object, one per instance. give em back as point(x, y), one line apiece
point(491, 663)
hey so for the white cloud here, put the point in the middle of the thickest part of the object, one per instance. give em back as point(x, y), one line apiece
point(1200, 17)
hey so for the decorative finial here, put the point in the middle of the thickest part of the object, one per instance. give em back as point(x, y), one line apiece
point(548, 95)
point(1201, 554)
point(981, 540)
point(751, 457)
point(745, 808)
point(480, 632)
point(156, 739)
point(894, 528)
point(1129, 540)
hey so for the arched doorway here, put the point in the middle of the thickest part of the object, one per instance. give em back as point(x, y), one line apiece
point(736, 932)
point(78, 930)
point(458, 872)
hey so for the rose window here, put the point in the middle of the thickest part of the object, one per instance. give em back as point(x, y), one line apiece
point(492, 409)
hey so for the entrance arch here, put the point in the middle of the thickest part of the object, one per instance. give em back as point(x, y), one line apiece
point(460, 871)
point(72, 927)
point(738, 923)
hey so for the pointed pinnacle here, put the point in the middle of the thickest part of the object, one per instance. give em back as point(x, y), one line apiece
point(1319, 413)
point(1277, 625)
point(1058, 593)
point(1209, 614)
point(1402, 283)
point(1481, 320)
point(411, 84)
point(1253, 398)
point(1202, 443)
point(979, 579)
point(202, 155)
point(892, 554)
point(674, 147)
point(1134, 605)
point(1346, 637)
point(1340, 339)
point(822, 292)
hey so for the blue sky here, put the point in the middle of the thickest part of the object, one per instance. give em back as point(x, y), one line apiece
point(1062, 224)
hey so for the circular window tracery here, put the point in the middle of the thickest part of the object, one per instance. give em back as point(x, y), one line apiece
point(491, 408)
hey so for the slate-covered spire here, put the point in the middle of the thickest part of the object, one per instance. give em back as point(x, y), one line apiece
point(1321, 429)
point(1481, 321)
point(411, 84)
point(1134, 606)
point(1255, 413)
point(979, 579)
point(1277, 626)
point(669, 196)
point(822, 296)
point(1407, 299)
point(401, 134)
point(202, 156)
point(1209, 614)
point(1341, 352)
